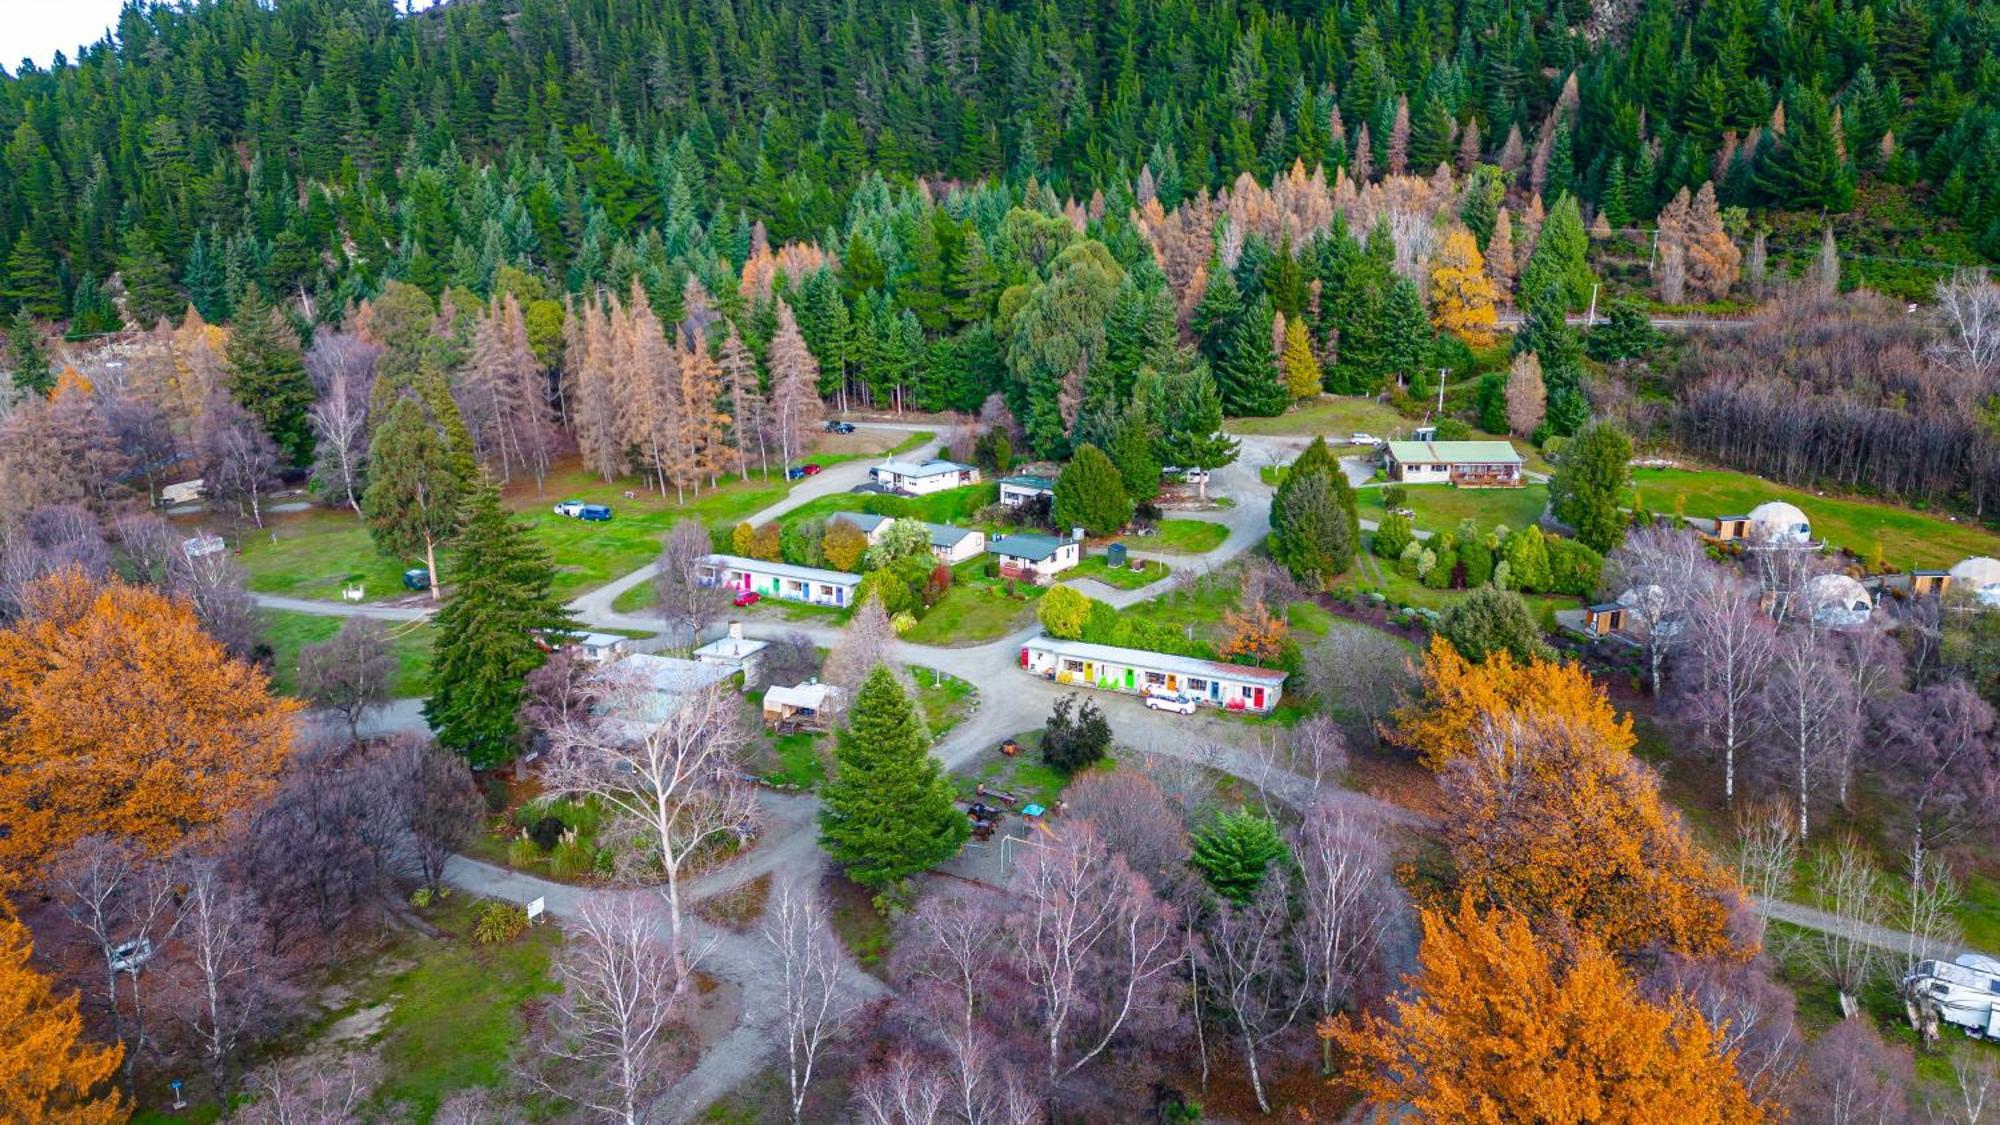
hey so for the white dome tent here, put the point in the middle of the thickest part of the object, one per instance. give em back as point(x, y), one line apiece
point(1837, 601)
point(1981, 575)
point(1780, 524)
point(1651, 606)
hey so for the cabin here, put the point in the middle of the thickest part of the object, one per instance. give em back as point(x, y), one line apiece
point(1034, 558)
point(1025, 489)
point(599, 647)
point(808, 706)
point(921, 478)
point(783, 581)
point(1232, 687)
point(1605, 619)
point(734, 652)
point(1464, 464)
point(1929, 583)
point(949, 545)
point(1728, 529)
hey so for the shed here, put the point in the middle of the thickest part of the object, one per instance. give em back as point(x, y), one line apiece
point(806, 706)
point(1929, 583)
point(1604, 619)
point(1730, 528)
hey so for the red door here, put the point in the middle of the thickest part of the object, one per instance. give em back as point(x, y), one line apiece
point(1257, 699)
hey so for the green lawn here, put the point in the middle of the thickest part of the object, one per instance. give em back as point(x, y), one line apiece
point(287, 633)
point(1908, 539)
point(1382, 577)
point(953, 506)
point(799, 760)
point(1440, 507)
point(457, 1012)
point(943, 698)
point(318, 553)
point(1181, 537)
point(1124, 577)
point(1332, 415)
point(975, 609)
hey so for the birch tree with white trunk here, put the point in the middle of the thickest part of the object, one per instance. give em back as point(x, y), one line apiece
point(811, 1011)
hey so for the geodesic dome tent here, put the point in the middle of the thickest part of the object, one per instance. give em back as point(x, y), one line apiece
point(1650, 605)
point(1778, 522)
point(1981, 575)
point(1837, 601)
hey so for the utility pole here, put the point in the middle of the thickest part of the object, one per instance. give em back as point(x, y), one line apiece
point(1440, 410)
point(1590, 318)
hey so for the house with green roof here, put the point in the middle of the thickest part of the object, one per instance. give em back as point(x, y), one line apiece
point(1467, 464)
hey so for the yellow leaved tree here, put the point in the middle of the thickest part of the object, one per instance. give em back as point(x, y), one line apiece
point(1461, 699)
point(1462, 292)
point(48, 1071)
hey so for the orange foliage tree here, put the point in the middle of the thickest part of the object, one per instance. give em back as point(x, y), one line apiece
point(1461, 699)
point(1547, 821)
point(1258, 634)
point(48, 1071)
point(120, 717)
point(1499, 1027)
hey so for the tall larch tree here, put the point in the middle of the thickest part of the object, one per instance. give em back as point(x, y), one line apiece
point(749, 411)
point(592, 365)
point(120, 717)
point(1499, 1025)
point(1299, 364)
point(1460, 699)
point(795, 406)
point(890, 812)
point(1462, 295)
point(267, 376)
point(489, 633)
point(49, 1071)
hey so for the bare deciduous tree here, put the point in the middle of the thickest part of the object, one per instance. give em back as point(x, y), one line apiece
point(1850, 890)
point(951, 959)
point(1943, 761)
point(1754, 1014)
point(867, 640)
point(905, 1090)
point(1657, 574)
point(124, 900)
point(687, 600)
point(342, 366)
point(811, 1010)
point(311, 1091)
point(1808, 707)
point(1351, 908)
point(1255, 974)
point(224, 942)
point(1767, 853)
point(675, 779)
point(435, 805)
point(1929, 915)
point(621, 988)
point(1968, 309)
point(349, 672)
point(1852, 1077)
point(1095, 946)
point(1732, 644)
point(1318, 748)
point(241, 464)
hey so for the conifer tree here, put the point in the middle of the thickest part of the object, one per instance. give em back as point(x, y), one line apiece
point(1462, 293)
point(1135, 450)
point(27, 355)
point(1235, 851)
point(489, 633)
point(1299, 364)
point(1589, 485)
point(1090, 494)
point(1558, 261)
point(1407, 341)
point(268, 375)
point(31, 282)
point(415, 487)
point(149, 284)
point(889, 810)
point(1315, 525)
point(1191, 420)
point(1247, 372)
point(49, 1069)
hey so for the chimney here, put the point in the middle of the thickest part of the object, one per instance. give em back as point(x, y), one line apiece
point(1076, 533)
point(736, 631)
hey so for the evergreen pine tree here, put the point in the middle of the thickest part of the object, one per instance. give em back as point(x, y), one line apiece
point(889, 810)
point(28, 355)
point(488, 633)
point(1090, 494)
point(1408, 341)
point(1247, 373)
point(268, 375)
point(1589, 485)
point(1216, 315)
point(149, 285)
point(1134, 449)
point(32, 285)
point(1558, 262)
point(1315, 524)
point(1190, 410)
point(1234, 853)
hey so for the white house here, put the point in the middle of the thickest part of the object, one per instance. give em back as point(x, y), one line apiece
point(596, 647)
point(1034, 558)
point(780, 580)
point(951, 545)
point(1023, 489)
point(642, 690)
point(734, 652)
point(923, 478)
point(1233, 687)
point(1467, 464)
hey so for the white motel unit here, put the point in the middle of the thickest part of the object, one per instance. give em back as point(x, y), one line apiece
point(921, 478)
point(1232, 687)
point(1034, 558)
point(951, 545)
point(780, 580)
point(1467, 464)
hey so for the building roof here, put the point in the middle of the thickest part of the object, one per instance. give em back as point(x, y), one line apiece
point(1979, 572)
point(597, 640)
point(1033, 548)
point(1156, 661)
point(810, 697)
point(1454, 452)
point(649, 688)
point(1029, 480)
point(786, 570)
point(732, 648)
point(942, 534)
point(933, 467)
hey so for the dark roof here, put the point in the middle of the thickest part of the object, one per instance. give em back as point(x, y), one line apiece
point(1034, 548)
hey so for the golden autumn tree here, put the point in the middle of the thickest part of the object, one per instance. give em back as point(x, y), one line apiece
point(1460, 699)
point(48, 1071)
point(1546, 820)
point(120, 717)
point(1297, 361)
point(1500, 1027)
point(1462, 293)
point(1257, 634)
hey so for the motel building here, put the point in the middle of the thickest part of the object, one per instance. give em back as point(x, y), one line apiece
point(779, 580)
point(1232, 687)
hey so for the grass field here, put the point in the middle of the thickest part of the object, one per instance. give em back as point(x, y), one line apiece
point(1181, 537)
point(953, 506)
point(1335, 415)
point(1124, 578)
point(1908, 539)
point(1440, 507)
point(287, 633)
point(975, 609)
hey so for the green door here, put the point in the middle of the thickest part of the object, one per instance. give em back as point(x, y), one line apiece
point(1128, 680)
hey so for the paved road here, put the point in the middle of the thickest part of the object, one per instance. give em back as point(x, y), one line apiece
point(1699, 323)
point(342, 609)
point(1881, 937)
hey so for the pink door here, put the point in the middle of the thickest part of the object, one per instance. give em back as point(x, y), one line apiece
point(746, 580)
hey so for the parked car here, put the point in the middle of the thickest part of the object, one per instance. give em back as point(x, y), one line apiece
point(570, 508)
point(836, 426)
point(796, 472)
point(128, 957)
point(597, 513)
point(747, 597)
point(1362, 437)
point(1171, 701)
point(1195, 476)
point(417, 578)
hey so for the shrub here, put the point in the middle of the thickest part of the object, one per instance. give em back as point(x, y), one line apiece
point(499, 922)
point(1394, 496)
point(494, 790)
point(571, 857)
point(547, 832)
point(1451, 429)
point(1064, 612)
point(1393, 536)
point(523, 852)
point(421, 897)
point(903, 622)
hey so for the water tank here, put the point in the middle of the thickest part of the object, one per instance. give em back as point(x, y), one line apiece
point(1114, 555)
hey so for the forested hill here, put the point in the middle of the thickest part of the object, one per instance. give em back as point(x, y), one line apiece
point(314, 144)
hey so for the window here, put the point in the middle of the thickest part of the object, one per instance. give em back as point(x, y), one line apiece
point(1072, 665)
point(1197, 685)
point(1155, 678)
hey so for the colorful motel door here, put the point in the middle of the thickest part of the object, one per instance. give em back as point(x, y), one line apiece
point(1257, 699)
point(1130, 685)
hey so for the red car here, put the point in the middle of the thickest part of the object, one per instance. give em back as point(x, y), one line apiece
point(748, 597)
point(811, 468)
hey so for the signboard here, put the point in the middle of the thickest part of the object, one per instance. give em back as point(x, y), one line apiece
point(537, 908)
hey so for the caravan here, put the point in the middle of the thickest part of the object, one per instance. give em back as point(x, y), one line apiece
point(1964, 993)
